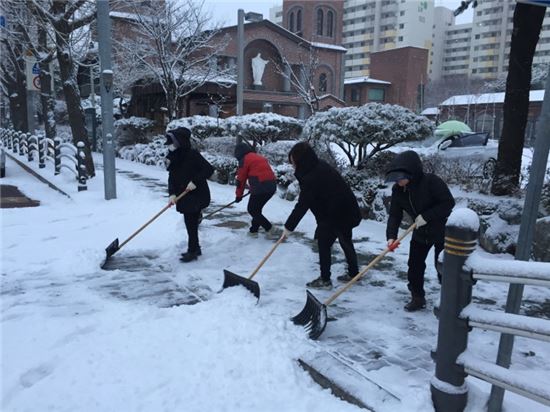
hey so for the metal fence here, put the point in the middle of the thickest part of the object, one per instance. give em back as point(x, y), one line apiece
point(457, 317)
point(62, 155)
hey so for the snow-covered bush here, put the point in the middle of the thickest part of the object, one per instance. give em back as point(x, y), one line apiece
point(218, 145)
point(360, 132)
point(60, 112)
point(201, 127)
point(133, 130)
point(545, 199)
point(466, 173)
point(152, 153)
point(277, 152)
point(261, 128)
point(225, 166)
point(378, 165)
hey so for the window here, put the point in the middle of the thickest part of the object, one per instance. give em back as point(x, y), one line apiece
point(323, 83)
point(400, 38)
point(402, 13)
point(376, 95)
point(401, 26)
point(355, 95)
point(320, 22)
point(330, 22)
point(299, 21)
point(291, 23)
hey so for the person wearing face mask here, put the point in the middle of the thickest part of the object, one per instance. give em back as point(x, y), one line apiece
point(428, 201)
point(188, 170)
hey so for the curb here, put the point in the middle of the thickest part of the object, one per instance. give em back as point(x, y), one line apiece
point(39, 177)
point(336, 389)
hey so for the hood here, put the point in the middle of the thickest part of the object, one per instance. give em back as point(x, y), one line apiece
point(304, 157)
point(180, 137)
point(408, 162)
point(241, 149)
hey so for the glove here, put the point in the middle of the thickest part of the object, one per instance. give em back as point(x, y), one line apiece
point(286, 232)
point(420, 221)
point(238, 199)
point(190, 186)
point(172, 199)
point(392, 244)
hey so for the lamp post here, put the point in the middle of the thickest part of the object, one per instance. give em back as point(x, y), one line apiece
point(241, 17)
point(104, 40)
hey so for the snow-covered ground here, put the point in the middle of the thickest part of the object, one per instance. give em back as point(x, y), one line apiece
point(79, 338)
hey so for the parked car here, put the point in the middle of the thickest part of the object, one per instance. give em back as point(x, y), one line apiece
point(470, 146)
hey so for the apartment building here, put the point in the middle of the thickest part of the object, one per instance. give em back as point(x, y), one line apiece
point(482, 49)
point(378, 25)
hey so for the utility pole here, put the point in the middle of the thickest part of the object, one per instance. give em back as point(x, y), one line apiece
point(240, 61)
point(104, 40)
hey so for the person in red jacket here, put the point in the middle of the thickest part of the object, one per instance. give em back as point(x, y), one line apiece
point(261, 181)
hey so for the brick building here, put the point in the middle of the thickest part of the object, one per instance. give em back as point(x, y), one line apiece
point(398, 77)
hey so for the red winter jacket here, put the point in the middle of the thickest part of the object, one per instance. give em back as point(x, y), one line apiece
point(255, 168)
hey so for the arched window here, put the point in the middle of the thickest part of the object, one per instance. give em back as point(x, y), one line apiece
point(291, 22)
point(320, 22)
point(330, 23)
point(323, 83)
point(299, 21)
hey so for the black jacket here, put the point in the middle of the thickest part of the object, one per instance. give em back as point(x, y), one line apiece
point(325, 193)
point(426, 195)
point(186, 165)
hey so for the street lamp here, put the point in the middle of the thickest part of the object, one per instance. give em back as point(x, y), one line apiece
point(241, 17)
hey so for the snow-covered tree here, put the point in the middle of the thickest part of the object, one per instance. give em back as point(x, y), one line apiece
point(362, 131)
point(69, 20)
point(259, 128)
point(171, 46)
point(302, 78)
point(12, 66)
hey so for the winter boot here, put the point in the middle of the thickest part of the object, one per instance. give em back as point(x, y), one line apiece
point(274, 233)
point(416, 303)
point(320, 283)
point(345, 278)
point(190, 255)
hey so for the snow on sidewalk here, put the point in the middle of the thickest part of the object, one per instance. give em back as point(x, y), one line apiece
point(75, 337)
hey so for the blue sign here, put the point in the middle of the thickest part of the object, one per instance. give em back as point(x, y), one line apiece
point(35, 68)
point(2, 21)
point(544, 3)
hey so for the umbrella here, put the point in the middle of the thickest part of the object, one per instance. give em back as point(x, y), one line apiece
point(452, 127)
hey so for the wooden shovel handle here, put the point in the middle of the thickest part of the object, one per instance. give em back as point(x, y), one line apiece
point(267, 256)
point(223, 207)
point(164, 209)
point(371, 264)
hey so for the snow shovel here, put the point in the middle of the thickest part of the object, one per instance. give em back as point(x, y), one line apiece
point(115, 247)
point(314, 314)
point(232, 279)
point(223, 207)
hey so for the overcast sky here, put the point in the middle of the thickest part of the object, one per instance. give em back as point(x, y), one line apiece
point(225, 11)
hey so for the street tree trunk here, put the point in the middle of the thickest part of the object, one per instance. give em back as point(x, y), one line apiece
point(46, 95)
point(525, 35)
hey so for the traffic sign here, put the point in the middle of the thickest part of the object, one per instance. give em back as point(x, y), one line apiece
point(36, 68)
point(36, 82)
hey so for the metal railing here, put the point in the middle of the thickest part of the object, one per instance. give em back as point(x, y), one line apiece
point(64, 156)
point(457, 316)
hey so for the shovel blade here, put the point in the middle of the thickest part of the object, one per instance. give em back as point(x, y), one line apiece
point(112, 248)
point(313, 316)
point(231, 279)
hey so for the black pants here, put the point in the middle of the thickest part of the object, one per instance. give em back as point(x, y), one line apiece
point(326, 236)
point(255, 205)
point(417, 264)
point(192, 226)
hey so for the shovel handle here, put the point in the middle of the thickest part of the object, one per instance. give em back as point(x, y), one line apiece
point(267, 256)
point(223, 207)
point(371, 264)
point(153, 218)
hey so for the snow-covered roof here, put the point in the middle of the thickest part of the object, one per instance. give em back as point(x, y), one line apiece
point(328, 46)
point(364, 79)
point(430, 111)
point(487, 98)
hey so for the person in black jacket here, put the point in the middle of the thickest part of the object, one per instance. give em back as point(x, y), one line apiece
point(330, 199)
point(427, 199)
point(188, 170)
